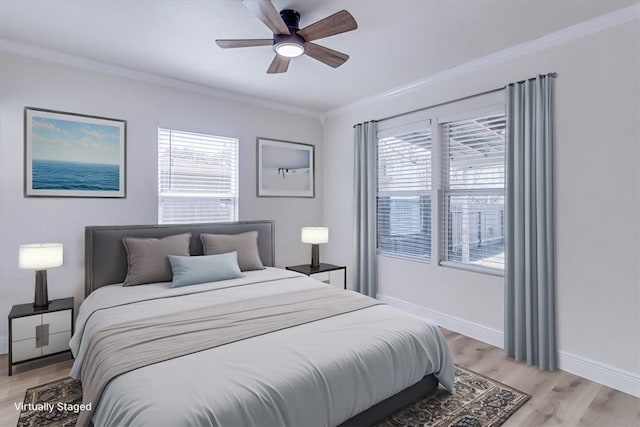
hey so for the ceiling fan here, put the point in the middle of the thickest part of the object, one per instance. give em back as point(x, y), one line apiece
point(289, 41)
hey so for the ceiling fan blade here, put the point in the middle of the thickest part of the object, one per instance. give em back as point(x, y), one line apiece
point(228, 44)
point(331, 57)
point(265, 11)
point(280, 64)
point(339, 22)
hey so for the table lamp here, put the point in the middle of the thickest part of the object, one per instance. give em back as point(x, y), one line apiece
point(315, 236)
point(39, 257)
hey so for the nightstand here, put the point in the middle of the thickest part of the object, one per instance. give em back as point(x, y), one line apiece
point(325, 272)
point(36, 333)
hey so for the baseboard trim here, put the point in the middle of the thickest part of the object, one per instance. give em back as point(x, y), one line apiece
point(4, 348)
point(610, 376)
point(456, 324)
point(619, 379)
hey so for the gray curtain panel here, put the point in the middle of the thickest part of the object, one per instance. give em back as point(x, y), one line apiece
point(530, 321)
point(364, 219)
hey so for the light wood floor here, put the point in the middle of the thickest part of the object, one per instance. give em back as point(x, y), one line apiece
point(558, 398)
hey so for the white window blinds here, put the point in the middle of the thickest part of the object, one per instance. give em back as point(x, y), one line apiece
point(403, 190)
point(473, 159)
point(197, 177)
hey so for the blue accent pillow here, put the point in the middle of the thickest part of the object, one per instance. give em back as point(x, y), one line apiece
point(192, 270)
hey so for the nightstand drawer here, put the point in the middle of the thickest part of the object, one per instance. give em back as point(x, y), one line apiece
point(323, 277)
point(337, 277)
point(59, 321)
point(57, 343)
point(25, 327)
point(39, 331)
point(25, 349)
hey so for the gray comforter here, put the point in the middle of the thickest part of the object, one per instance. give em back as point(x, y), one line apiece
point(316, 373)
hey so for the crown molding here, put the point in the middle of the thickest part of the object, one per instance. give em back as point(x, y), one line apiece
point(31, 51)
point(600, 23)
point(595, 25)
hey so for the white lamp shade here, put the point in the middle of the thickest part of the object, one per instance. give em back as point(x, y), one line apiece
point(39, 256)
point(315, 235)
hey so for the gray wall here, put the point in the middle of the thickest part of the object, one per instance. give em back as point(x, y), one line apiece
point(35, 83)
point(597, 167)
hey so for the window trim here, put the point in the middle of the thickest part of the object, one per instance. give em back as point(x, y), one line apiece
point(472, 268)
point(460, 115)
point(399, 126)
point(462, 110)
point(177, 195)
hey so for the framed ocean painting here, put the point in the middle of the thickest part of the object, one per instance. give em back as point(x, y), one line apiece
point(285, 169)
point(74, 155)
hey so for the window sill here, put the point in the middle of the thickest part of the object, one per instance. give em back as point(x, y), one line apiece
point(473, 268)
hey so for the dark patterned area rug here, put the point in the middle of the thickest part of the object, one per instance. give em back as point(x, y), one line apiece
point(64, 391)
point(478, 401)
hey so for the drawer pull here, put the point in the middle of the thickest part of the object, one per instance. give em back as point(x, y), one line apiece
point(42, 335)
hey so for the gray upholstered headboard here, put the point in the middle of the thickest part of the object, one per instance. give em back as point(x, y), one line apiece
point(105, 258)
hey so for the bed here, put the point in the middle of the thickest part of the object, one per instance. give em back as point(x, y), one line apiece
point(352, 367)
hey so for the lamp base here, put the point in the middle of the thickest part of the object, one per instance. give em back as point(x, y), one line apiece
point(315, 255)
point(41, 297)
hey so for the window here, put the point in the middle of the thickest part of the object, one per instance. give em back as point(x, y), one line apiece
point(403, 190)
point(197, 177)
point(451, 211)
point(473, 158)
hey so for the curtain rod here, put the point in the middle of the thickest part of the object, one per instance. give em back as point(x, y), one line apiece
point(487, 92)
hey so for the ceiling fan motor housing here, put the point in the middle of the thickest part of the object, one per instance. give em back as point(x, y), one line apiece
point(292, 19)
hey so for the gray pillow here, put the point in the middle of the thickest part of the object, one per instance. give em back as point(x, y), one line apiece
point(246, 244)
point(147, 258)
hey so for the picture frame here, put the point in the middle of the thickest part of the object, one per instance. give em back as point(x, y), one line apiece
point(285, 168)
point(73, 155)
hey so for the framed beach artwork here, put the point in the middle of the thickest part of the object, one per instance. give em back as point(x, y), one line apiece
point(74, 155)
point(285, 169)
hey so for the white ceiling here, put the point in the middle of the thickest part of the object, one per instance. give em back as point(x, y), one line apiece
point(397, 42)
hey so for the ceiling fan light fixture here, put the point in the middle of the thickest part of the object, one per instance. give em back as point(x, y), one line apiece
point(289, 49)
point(289, 41)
